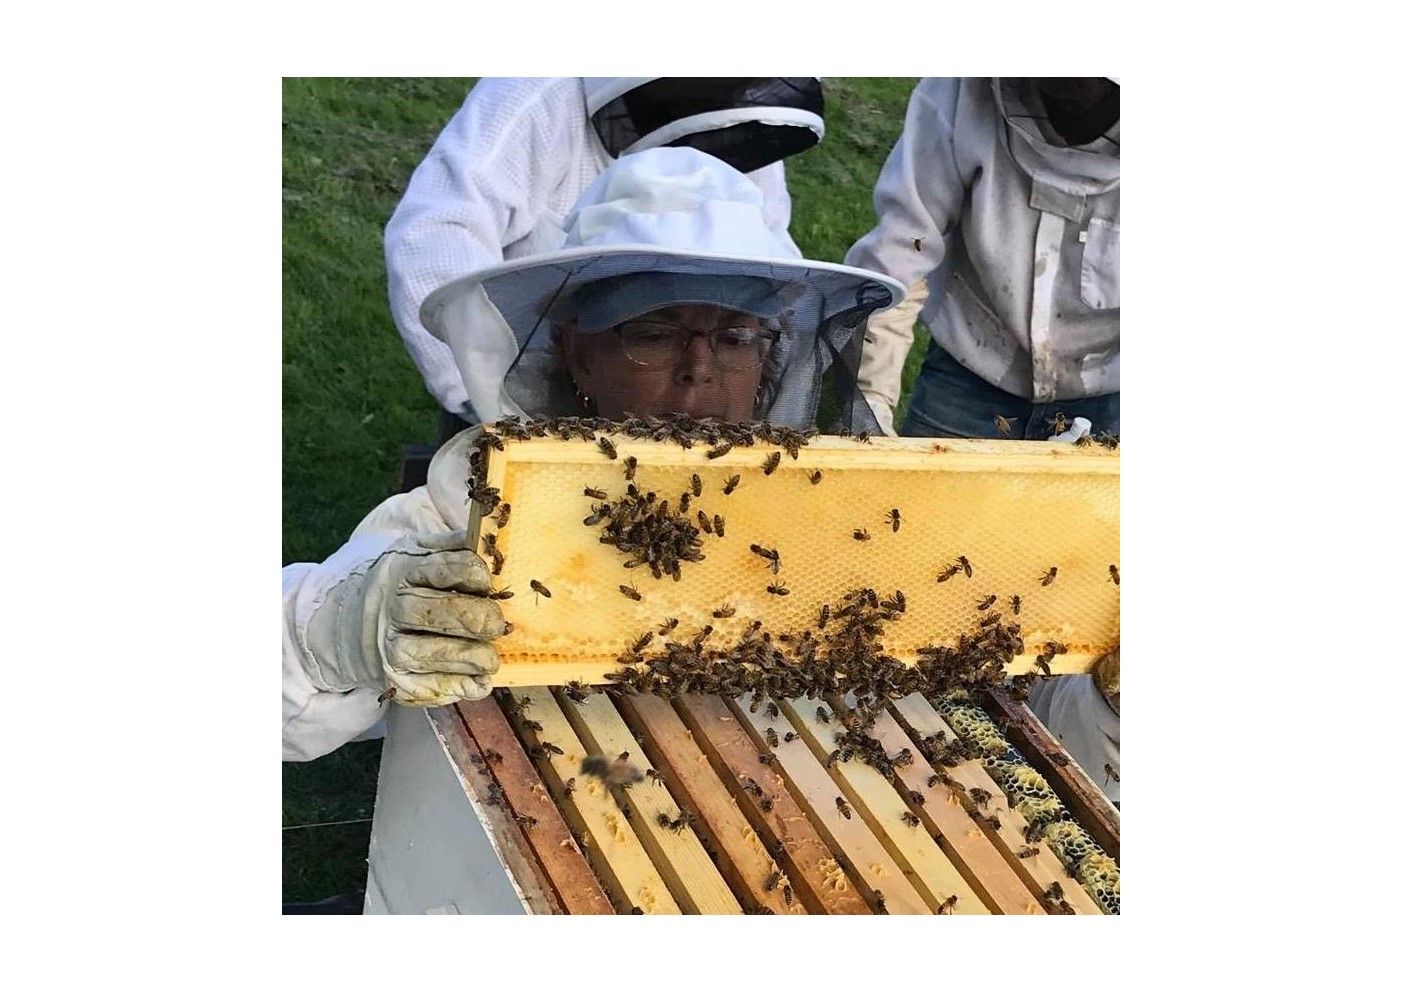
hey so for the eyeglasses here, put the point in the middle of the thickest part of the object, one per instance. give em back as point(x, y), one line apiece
point(659, 345)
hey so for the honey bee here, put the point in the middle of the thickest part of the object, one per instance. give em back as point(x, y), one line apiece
point(1058, 759)
point(594, 494)
point(822, 715)
point(879, 901)
point(607, 447)
point(594, 518)
point(772, 710)
point(1115, 575)
point(1027, 851)
point(764, 758)
point(861, 534)
point(843, 807)
point(993, 821)
point(863, 436)
point(725, 610)
point(790, 736)
point(981, 797)
point(788, 892)
point(630, 468)
point(1108, 440)
point(1054, 893)
point(718, 451)
point(1058, 423)
point(823, 615)
point(1004, 424)
point(1111, 774)
point(1085, 441)
point(948, 906)
point(613, 772)
point(767, 804)
point(918, 798)
point(642, 642)
point(569, 786)
point(630, 591)
point(773, 881)
point(531, 725)
point(778, 589)
point(894, 519)
point(526, 820)
point(684, 503)
point(668, 626)
point(1016, 602)
point(771, 738)
point(519, 705)
point(964, 564)
point(696, 485)
point(492, 755)
point(988, 601)
point(504, 513)
point(654, 775)
point(498, 560)
point(1049, 576)
point(719, 523)
point(816, 476)
point(918, 244)
point(731, 485)
point(540, 589)
point(505, 594)
point(390, 692)
point(552, 748)
point(939, 777)
point(704, 521)
point(771, 462)
point(911, 819)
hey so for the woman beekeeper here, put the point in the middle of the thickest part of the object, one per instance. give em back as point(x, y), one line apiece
point(500, 179)
point(672, 294)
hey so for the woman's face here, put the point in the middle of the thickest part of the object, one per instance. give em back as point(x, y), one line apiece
point(690, 379)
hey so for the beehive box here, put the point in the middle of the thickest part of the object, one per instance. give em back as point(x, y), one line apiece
point(738, 811)
point(1014, 510)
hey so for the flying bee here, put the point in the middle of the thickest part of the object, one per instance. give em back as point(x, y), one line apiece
point(719, 523)
point(607, 447)
point(1027, 851)
point(822, 715)
point(988, 601)
point(696, 485)
point(1049, 576)
point(911, 819)
point(894, 519)
point(1111, 774)
point(1016, 602)
point(816, 476)
point(505, 594)
point(948, 573)
point(630, 591)
point(1115, 575)
point(731, 485)
point(613, 772)
point(1004, 424)
point(704, 521)
point(843, 807)
point(390, 692)
point(823, 618)
point(668, 626)
point(540, 589)
point(718, 451)
point(778, 589)
point(1058, 423)
point(772, 462)
point(771, 738)
point(504, 513)
point(642, 642)
point(948, 906)
point(594, 494)
point(725, 610)
point(981, 797)
point(964, 564)
point(630, 468)
point(861, 534)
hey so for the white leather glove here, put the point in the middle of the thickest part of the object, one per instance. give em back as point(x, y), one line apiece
point(417, 623)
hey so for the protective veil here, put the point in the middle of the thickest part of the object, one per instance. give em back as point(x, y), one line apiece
point(504, 172)
point(659, 228)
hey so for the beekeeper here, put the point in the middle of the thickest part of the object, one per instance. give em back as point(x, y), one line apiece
point(672, 293)
point(500, 178)
point(999, 211)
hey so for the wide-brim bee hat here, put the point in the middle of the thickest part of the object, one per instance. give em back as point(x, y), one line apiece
point(657, 228)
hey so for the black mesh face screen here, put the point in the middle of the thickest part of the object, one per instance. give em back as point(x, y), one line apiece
point(752, 145)
point(645, 109)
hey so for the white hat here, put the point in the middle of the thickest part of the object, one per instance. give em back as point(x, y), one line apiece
point(676, 211)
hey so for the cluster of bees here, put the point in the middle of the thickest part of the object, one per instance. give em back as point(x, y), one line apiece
point(650, 531)
point(680, 429)
point(1057, 424)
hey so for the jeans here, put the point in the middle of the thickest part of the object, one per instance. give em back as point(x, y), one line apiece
point(951, 402)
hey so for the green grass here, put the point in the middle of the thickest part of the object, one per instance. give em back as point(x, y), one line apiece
point(351, 395)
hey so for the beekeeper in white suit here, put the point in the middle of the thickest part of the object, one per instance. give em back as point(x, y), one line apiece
point(999, 211)
point(672, 293)
point(498, 182)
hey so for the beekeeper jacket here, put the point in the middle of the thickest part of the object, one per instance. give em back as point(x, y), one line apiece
point(316, 722)
point(1028, 230)
point(496, 186)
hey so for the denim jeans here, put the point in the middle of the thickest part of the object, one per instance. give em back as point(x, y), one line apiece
point(949, 401)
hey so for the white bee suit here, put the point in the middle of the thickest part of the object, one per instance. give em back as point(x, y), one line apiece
point(495, 187)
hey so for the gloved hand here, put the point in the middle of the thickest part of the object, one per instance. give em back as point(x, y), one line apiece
point(416, 625)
